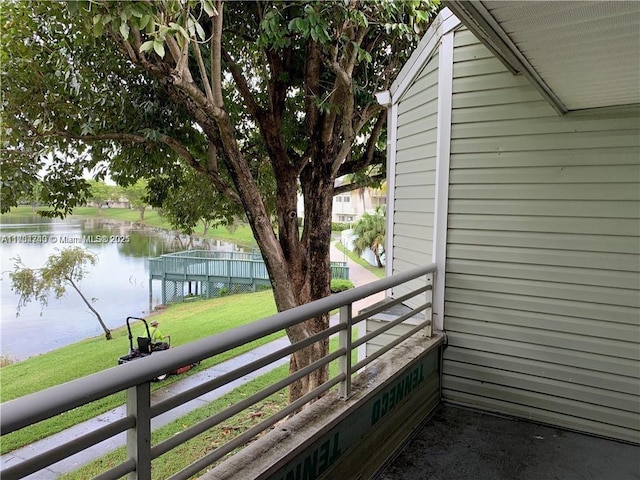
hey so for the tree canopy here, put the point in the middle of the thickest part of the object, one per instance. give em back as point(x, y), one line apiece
point(370, 231)
point(64, 269)
point(257, 101)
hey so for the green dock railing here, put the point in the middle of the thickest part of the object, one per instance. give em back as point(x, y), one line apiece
point(208, 274)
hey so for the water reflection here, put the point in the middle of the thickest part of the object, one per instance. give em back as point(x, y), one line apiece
point(119, 282)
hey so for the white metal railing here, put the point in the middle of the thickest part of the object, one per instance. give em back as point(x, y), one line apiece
point(135, 378)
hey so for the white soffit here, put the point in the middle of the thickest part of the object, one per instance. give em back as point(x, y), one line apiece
point(581, 54)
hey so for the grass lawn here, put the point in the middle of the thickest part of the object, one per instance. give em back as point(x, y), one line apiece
point(184, 323)
point(192, 450)
point(378, 272)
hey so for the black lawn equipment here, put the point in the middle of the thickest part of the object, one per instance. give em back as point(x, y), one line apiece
point(146, 347)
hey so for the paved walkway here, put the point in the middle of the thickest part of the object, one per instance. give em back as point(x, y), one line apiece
point(358, 275)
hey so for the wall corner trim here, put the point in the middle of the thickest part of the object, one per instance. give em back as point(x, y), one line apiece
point(444, 23)
point(443, 152)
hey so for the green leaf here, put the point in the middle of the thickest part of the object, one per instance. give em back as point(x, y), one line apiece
point(180, 29)
point(151, 26)
point(98, 29)
point(146, 46)
point(200, 31)
point(209, 8)
point(124, 30)
point(158, 47)
point(144, 21)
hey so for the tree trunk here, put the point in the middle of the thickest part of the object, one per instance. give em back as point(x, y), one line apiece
point(205, 227)
point(107, 332)
point(299, 268)
point(377, 255)
point(315, 277)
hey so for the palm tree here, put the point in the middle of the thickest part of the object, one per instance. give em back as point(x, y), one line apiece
point(370, 231)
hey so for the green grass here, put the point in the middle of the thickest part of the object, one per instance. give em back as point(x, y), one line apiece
point(241, 235)
point(184, 323)
point(378, 272)
point(196, 448)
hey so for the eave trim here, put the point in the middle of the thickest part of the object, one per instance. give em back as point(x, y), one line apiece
point(479, 20)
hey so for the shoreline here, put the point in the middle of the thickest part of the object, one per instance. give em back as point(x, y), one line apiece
point(119, 281)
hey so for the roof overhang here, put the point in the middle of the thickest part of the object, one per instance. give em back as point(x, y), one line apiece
point(579, 54)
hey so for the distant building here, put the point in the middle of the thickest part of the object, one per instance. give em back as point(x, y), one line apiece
point(350, 206)
point(119, 203)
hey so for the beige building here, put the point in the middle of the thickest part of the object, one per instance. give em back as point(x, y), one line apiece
point(349, 207)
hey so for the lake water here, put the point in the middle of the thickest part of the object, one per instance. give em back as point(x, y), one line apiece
point(119, 281)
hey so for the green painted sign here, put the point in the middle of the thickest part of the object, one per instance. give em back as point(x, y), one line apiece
point(316, 460)
point(396, 392)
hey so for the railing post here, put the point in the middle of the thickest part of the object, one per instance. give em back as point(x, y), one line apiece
point(139, 437)
point(428, 314)
point(344, 340)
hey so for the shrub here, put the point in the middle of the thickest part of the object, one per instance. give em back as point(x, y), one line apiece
point(340, 285)
point(338, 227)
point(6, 360)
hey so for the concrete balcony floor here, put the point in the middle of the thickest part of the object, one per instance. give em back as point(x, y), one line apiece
point(463, 444)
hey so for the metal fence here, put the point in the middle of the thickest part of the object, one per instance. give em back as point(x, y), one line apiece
point(212, 273)
point(135, 378)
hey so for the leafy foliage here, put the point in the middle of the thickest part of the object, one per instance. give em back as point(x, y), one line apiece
point(255, 101)
point(340, 285)
point(187, 199)
point(371, 233)
point(137, 195)
point(101, 193)
point(66, 268)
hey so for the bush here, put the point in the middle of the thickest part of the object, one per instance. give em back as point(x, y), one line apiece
point(6, 360)
point(340, 285)
point(338, 227)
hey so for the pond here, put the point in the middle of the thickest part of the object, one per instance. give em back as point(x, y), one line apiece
point(118, 283)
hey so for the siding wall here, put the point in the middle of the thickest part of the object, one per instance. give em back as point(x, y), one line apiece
point(415, 173)
point(542, 298)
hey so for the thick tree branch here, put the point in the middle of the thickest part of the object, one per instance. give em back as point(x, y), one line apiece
point(216, 56)
point(349, 187)
point(342, 95)
point(203, 72)
point(312, 68)
point(369, 155)
point(170, 142)
point(268, 121)
point(243, 87)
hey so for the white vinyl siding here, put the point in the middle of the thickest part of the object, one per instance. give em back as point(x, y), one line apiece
point(415, 172)
point(542, 299)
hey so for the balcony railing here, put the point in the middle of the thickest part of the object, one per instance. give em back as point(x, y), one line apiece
point(135, 378)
